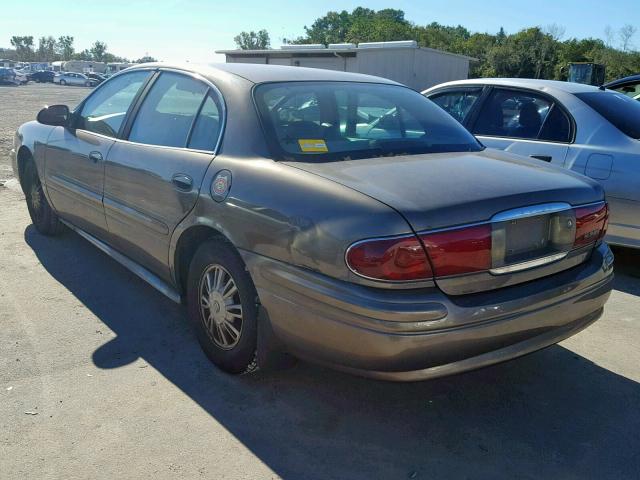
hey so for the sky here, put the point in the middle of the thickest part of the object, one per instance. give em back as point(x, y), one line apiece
point(191, 30)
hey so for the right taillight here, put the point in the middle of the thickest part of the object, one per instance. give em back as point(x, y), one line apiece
point(591, 224)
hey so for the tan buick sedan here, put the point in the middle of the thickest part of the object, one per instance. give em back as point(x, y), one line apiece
point(336, 217)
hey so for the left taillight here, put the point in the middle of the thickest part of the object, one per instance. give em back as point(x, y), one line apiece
point(391, 259)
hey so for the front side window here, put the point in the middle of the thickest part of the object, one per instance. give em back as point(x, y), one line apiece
point(347, 120)
point(457, 103)
point(621, 111)
point(512, 113)
point(105, 110)
point(168, 111)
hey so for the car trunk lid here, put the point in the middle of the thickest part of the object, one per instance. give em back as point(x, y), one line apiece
point(528, 204)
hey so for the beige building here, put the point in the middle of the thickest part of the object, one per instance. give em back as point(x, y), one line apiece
point(404, 62)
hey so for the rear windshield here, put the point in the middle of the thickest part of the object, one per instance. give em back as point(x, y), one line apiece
point(622, 111)
point(328, 121)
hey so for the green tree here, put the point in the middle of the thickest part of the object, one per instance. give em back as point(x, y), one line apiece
point(145, 59)
point(46, 49)
point(98, 51)
point(253, 40)
point(23, 46)
point(64, 47)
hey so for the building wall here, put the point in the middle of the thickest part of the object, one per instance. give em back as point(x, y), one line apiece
point(432, 67)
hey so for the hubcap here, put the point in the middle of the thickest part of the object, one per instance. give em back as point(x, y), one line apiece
point(36, 198)
point(220, 306)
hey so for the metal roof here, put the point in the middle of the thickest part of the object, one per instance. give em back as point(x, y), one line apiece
point(287, 52)
point(569, 87)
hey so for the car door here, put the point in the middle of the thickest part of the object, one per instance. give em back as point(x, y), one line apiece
point(524, 122)
point(152, 180)
point(74, 162)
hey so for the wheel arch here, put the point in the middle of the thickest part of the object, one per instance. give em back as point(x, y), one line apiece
point(185, 248)
point(23, 156)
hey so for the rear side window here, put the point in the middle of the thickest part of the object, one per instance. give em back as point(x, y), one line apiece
point(457, 103)
point(621, 111)
point(206, 130)
point(105, 109)
point(557, 127)
point(168, 111)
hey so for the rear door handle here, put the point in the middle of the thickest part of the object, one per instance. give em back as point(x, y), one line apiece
point(182, 181)
point(544, 158)
point(95, 157)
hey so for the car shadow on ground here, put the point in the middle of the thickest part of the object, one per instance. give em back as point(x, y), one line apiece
point(552, 414)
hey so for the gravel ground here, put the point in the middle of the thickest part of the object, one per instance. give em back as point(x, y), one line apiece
point(20, 104)
point(101, 378)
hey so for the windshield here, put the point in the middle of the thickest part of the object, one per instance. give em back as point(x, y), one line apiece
point(622, 111)
point(328, 121)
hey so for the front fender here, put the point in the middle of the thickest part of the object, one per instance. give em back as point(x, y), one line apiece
point(31, 138)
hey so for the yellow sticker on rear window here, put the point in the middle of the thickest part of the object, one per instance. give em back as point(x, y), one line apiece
point(311, 145)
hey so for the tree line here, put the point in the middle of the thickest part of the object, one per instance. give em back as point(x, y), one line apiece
point(50, 49)
point(535, 52)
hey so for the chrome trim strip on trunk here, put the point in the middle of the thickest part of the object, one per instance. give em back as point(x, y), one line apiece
point(530, 211)
point(537, 262)
point(129, 264)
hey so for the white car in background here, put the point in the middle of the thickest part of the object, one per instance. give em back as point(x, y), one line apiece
point(21, 78)
point(72, 78)
point(587, 129)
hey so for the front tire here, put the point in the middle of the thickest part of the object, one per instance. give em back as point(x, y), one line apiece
point(223, 307)
point(42, 215)
point(63, 83)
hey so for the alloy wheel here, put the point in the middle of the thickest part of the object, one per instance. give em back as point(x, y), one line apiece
point(220, 306)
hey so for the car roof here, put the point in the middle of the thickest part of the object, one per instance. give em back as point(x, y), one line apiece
point(259, 73)
point(545, 85)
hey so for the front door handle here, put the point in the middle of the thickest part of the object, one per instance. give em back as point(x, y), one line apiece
point(182, 181)
point(544, 158)
point(95, 157)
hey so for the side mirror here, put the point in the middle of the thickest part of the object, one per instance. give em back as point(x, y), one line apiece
point(55, 115)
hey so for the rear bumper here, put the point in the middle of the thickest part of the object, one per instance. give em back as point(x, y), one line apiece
point(419, 334)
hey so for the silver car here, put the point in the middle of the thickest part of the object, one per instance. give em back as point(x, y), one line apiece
point(589, 130)
point(72, 78)
point(337, 217)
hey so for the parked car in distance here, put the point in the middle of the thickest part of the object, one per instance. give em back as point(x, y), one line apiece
point(338, 217)
point(22, 77)
point(99, 78)
point(583, 128)
point(7, 76)
point(630, 86)
point(42, 76)
point(72, 78)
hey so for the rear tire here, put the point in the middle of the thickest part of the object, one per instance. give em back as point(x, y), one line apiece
point(223, 307)
point(42, 215)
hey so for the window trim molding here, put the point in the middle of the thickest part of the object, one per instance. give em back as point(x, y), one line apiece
point(212, 88)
